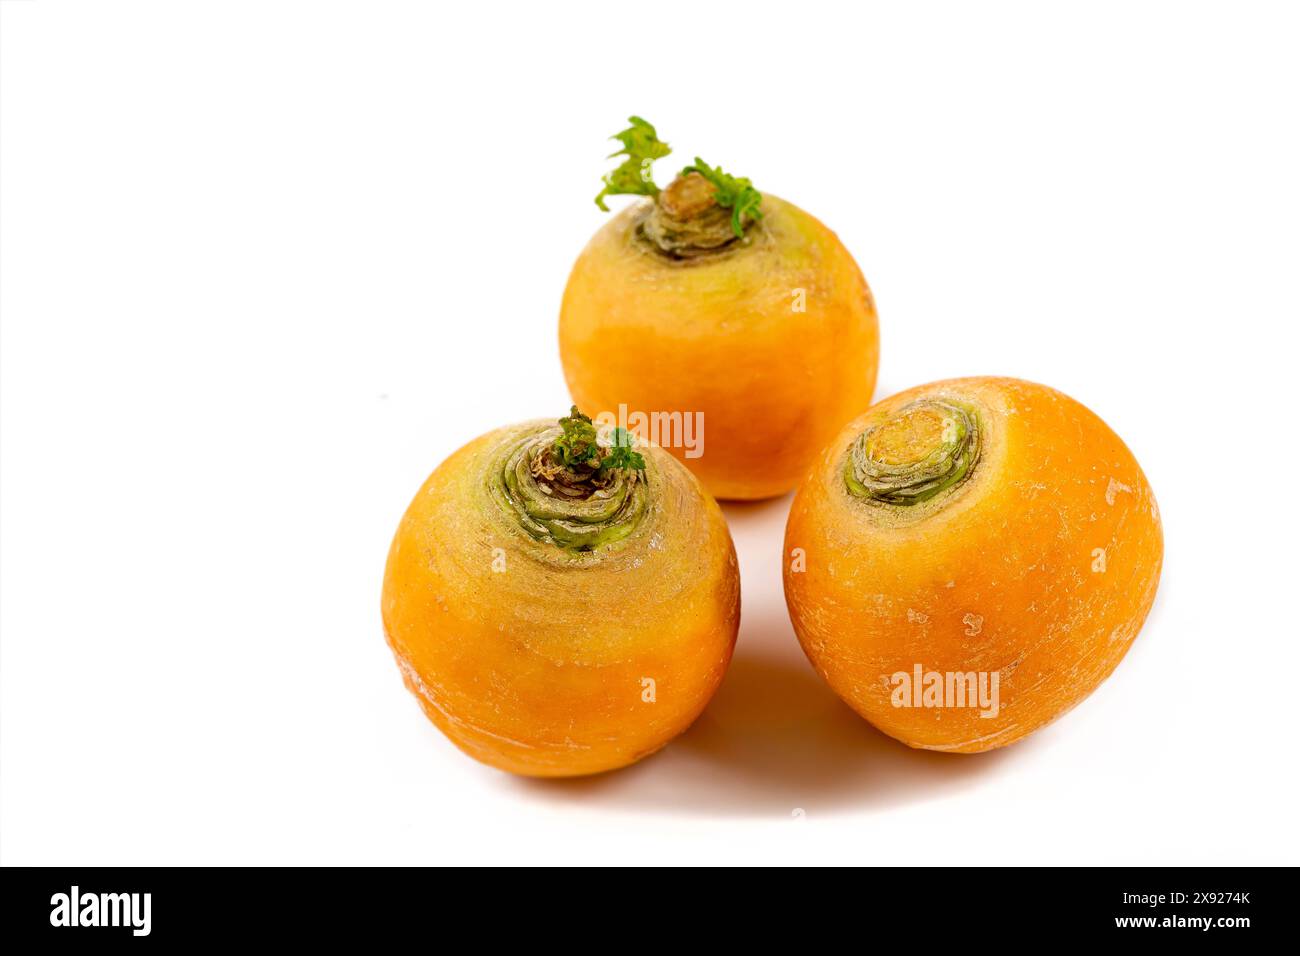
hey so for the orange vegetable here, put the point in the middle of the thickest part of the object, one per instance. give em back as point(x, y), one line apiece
point(554, 614)
point(969, 559)
point(720, 306)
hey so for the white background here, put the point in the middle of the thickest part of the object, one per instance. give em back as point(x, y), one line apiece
point(265, 264)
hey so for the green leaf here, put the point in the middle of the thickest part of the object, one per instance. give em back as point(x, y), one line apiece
point(620, 453)
point(642, 147)
point(731, 192)
point(576, 445)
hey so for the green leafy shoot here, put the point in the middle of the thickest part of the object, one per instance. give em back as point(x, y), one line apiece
point(577, 446)
point(621, 454)
point(633, 177)
point(732, 192)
